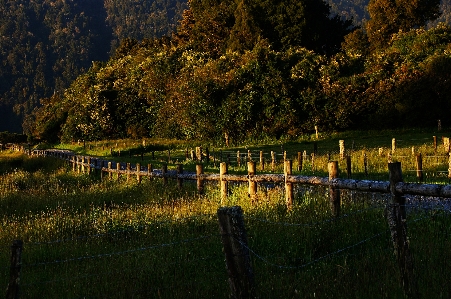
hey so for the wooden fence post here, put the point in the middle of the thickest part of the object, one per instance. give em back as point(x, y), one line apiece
point(313, 161)
point(396, 217)
point(446, 144)
point(164, 171)
point(223, 169)
point(88, 160)
point(262, 161)
point(393, 145)
point(118, 168)
point(207, 155)
point(12, 291)
point(138, 172)
point(273, 161)
point(365, 164)
point(300, 161)
point(449, 166)
point(237, 253)
point(101, 169)
point(199, 153)
point(348, 166)
point(149, 170)
point(238, 159)
point(251, 171)
point(110, 173)
point(419, 162)
point(334, 193)
point(288, 170)
point(341, 144)
point(200, 182)
point(179, 171)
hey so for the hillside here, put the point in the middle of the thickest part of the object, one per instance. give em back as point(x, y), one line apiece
point(46, 44)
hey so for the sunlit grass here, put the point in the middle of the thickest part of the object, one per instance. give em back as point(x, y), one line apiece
point(93, 238)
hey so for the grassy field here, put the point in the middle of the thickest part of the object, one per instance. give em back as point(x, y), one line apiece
point(91, 238)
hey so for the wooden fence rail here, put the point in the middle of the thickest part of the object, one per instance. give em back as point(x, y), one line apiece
point(402, 188)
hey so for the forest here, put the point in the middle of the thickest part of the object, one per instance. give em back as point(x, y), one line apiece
point(207, 68)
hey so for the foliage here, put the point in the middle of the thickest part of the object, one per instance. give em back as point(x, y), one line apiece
point(46, 44)
point(387, 17)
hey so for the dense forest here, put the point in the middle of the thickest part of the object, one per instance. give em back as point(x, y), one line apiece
point(207, 68)
point(46, 44)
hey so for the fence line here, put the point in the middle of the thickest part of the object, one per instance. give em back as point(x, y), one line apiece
point(436, 190)
point(395, 214)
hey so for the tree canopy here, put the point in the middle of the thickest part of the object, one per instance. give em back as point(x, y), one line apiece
point(256, 68)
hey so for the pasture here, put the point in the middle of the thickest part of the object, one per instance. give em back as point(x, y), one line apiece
point(90, 238)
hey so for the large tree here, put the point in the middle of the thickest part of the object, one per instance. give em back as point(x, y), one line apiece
point(391, 16)
point(217, 26)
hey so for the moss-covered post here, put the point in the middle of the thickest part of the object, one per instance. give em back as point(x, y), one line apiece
point(396, 218)
point(237, 253)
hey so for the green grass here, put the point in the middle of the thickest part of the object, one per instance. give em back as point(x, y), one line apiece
point(88, 238)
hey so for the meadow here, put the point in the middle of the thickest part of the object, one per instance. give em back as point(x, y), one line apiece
point(90, 238)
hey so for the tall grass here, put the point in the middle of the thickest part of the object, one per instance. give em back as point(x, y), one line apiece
point(91, 238)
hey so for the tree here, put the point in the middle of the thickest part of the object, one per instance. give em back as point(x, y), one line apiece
point(390, 16)
point(307, 23)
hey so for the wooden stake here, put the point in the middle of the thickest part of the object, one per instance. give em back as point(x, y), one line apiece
point(179, 171)
point(223, 169)
point(419, 160)
point(200, 182)
point(288, 170)
point(12, 291)
point(251, 171)
point(164, 171)
point(237, 254)
point(334, 193)
point(396, 217)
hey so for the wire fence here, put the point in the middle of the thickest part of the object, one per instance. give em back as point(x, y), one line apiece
point(322, 256)
point(288, 257)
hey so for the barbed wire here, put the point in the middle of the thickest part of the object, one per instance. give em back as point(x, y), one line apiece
point(102, 255)
point(117, 232)
point(312, 224)
point(265, 260)
point(99, 274)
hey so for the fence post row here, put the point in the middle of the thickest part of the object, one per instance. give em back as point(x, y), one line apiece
point(237, 254)
point(396, 217)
